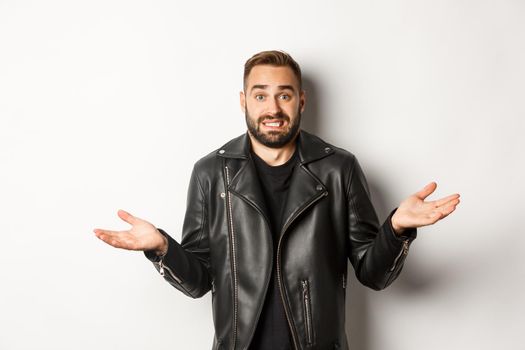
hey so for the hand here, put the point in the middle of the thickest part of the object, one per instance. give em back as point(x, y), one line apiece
point(414, 212)
point(142, 235)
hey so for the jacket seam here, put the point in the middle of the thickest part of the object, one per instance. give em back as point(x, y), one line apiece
point(352, 202)
point(203, 211)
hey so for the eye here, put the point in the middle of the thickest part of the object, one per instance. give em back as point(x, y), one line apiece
point(259, 97)
point(284, 97)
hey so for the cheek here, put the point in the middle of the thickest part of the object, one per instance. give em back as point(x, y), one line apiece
point(253, 111)
point(293, 109)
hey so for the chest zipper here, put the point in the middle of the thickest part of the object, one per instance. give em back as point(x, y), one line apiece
point(403, 252)
point(279, 278)
point(233, 257)
point(307, 304)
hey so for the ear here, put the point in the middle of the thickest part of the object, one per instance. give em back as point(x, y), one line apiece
point(302, 100)
point(242, 101)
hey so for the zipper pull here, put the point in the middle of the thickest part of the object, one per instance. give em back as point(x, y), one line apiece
point(305, 288)
point(161, 268)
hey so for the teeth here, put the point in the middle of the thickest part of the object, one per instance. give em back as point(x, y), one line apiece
point(274, 124)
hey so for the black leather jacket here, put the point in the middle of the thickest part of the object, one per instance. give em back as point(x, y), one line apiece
point(226, 243)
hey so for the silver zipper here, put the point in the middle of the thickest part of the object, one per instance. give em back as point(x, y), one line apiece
point(344, 281)
point(279, 278)
point(307, 312)
point(270, 270)
point(403, 252)
point(232, 239)
point(163, 267)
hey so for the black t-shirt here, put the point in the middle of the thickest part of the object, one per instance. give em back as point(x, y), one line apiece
point(272, 332)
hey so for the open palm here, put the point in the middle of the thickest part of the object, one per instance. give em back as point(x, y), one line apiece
point(414, 212)
point(141, 236)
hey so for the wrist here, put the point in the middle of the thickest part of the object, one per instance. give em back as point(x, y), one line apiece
point(163, 248)
point(398, 230)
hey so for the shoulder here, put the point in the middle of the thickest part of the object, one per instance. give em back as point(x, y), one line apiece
point(338, 164)
point(214, 159)
point(333, 154)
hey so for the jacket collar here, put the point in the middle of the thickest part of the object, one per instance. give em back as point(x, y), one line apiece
point(309, 147)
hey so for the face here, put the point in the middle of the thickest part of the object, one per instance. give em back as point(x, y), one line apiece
point(272, 103)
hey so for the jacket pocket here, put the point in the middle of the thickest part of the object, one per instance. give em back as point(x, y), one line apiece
point(307, 309)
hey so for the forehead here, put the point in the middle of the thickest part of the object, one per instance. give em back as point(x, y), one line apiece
point(271, 76)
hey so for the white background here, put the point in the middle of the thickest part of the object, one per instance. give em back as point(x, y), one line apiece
point(107, 105)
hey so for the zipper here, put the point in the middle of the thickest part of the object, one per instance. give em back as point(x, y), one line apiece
point(233, 256)
point(279, 278)
point(307, 312)
point(403, 252)
point(344, 281)
point(163, 267)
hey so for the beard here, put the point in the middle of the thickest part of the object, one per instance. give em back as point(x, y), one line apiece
point(274, 138)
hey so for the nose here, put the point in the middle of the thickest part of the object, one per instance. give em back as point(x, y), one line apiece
point(273, 106)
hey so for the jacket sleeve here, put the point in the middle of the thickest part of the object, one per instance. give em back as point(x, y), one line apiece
point(376, 252)
point(186, 265)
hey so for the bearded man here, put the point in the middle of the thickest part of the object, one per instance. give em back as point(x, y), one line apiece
point(273, 217)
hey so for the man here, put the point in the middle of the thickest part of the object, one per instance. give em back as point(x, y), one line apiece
point(272, 217)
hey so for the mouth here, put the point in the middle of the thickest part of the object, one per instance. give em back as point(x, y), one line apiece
point(274, 124)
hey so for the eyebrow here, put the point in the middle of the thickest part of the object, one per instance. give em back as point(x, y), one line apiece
point(281, 87)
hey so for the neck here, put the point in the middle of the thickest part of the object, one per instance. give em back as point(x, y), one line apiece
point(273, 156)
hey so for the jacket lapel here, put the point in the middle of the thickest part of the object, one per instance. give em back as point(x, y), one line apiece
point(245, 182)
point(304, 190)
point(305, 187)
point(247, 186)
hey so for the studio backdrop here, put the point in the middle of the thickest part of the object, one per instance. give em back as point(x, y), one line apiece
point(106, 105)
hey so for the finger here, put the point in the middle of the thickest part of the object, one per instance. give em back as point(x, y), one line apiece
point(114, 242)
point(109, 236)
point(115, 238)
point(106, 236)
point(453, 201)
point(445, 200)
point(99, 231)
point(431, 208)
point(430, 217)
point(127, 217)
point(426, 191)
point(445, 211)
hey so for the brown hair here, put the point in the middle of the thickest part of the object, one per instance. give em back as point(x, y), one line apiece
point(273, 58)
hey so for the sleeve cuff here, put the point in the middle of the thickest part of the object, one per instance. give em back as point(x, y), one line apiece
point(150, 254)
point(410, 233)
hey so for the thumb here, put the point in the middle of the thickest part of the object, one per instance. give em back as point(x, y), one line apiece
point(127, 217)
point(426, 191)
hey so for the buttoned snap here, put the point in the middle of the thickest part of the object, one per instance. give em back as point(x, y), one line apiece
point(222, 151)
point(319, 188)
point(327, 149)
point(223, 194)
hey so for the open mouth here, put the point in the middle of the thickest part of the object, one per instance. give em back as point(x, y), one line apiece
point(273, 124)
